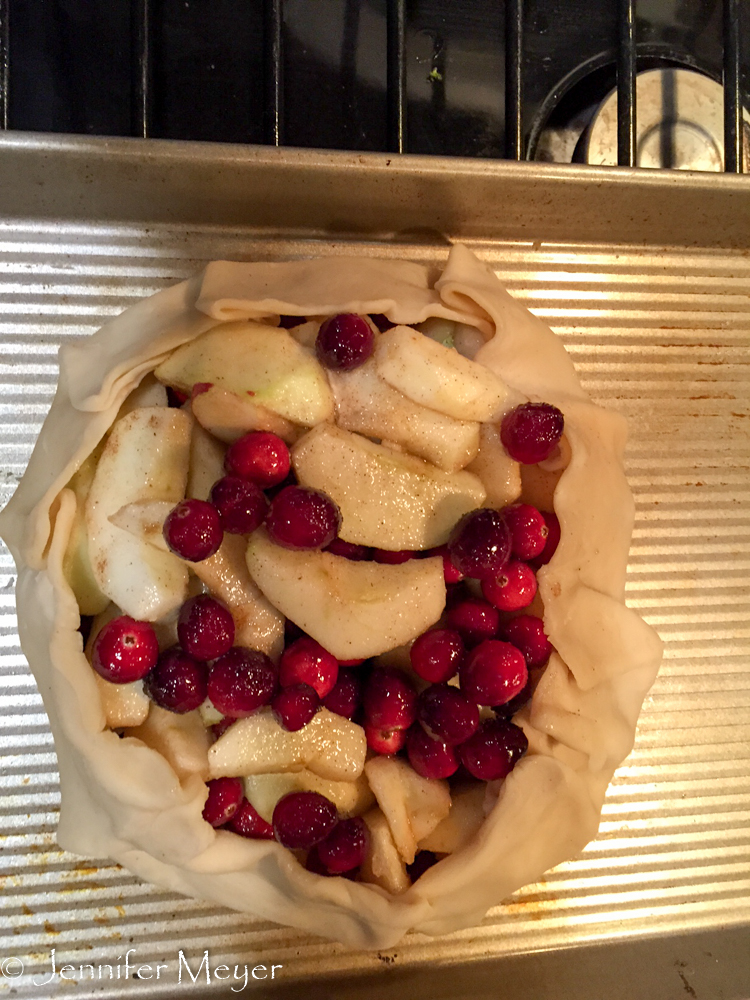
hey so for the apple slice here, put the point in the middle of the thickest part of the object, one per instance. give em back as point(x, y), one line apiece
point(353, 609)
point(228, 416)
point(77, 561)
point(124, 704)
point(182, 740)
point(329, 745)
point(387, 499)
point(383, 865)
point(412, 805)
point(462, 822)
point(249, 358)
point(206, 463)
point(499, 473)
point(144, 519)
point(263, 791)
point(439, 377)
point(367, 404)
point(145, 459)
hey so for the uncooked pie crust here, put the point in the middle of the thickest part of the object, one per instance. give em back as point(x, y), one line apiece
point(122, 800)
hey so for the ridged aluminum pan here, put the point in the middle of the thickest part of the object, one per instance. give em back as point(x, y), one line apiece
point(659, 332)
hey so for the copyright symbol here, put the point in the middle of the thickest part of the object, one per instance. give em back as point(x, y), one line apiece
point(11, 968)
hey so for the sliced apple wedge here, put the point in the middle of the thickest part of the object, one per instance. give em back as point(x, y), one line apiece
point(251, 359)
point(124, 704)
point(145, 519)
point(353, 609)
point(387, 499)
point(439, 377)
point(77, 560)
point(383, 865)
point(461, 823)
point(263, 791)
point(367, 404)
point(330, 746)
point(206, 463)
point(499, 473)
point(144, 459)
point(228, 416)
point(412, 805)
point(182, 739)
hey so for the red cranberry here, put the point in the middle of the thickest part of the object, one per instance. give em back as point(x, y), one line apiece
point(390, 701)
point(494, 750)
point(509, 709)
point(301, 518)
point(241, 681)
point(345, 847)
point(446, 714)
point(392, 558)
point(357, 553)
point(315, 865)
point(436, 655)
point(177, 682)
point(384, 741)
point(430, 758)
point(553, 539)
point(125, 650)
point(528, 530)
point(219, 728)
point(451, 573)
point(423, 861)
point(303, 819)
point(474, 619)
point(344, 342)
point(306, 662)
point(259, 456)
point(530, 432)
point(241, 504)
point(345, 695)
point(526, 632)
point(295, 706)
point(381, 322)
point(479, 545)
point(205, 627)
point(514, 589)
point(247, 823)
point(224, 798)
point(176, 398)
point(494, 672)
point(193, 530)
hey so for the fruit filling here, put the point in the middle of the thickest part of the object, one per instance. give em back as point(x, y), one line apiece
point(313, 582)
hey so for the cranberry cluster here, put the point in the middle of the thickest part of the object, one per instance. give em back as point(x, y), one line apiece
point(295, 517)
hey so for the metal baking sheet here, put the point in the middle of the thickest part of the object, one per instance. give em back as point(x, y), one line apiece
point(647, 278)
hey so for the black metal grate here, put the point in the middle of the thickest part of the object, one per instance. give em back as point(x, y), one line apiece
point(144, 20)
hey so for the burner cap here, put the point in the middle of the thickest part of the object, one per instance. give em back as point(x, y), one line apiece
point(679, 123)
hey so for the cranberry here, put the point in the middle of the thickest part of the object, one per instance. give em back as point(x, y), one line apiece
point(437, 655)
point(205, 627)
point(381, 322)
point(493, 673)
point(509, 709)
point(384, 741)
point(390, 701)
point(392, 558)
point(345, 847)
point(306, 662)
point(446, 714)
point(553, 539)
point(177, 682)
point(430, 758)
point(345, 695)
point(125, 650)
point(514, 589)
point(348, 550)
point(315, 865)
point(528, 530)
point(494, 750)
point(259, 456)
point(241, 681)
point(241, 504)
point(219, 728)
point(474, 619)
point(451, 573)
point(193, 530)
point(248, 823)
point(301, 518)
point(295, 706)
point(526, 632)
point(224, 798)
point(479, 545)
point(176, 398)
point(344, 342)
point(423, 861)
point(530, 432)
point(303, 819)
